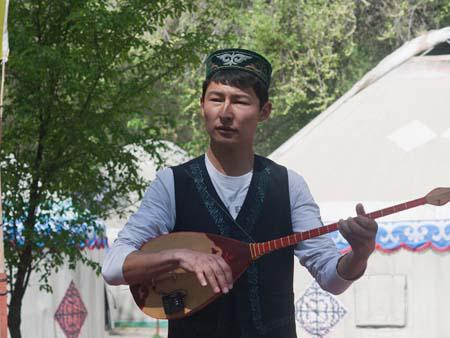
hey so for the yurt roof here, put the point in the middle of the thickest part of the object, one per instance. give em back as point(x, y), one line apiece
point(387, 139)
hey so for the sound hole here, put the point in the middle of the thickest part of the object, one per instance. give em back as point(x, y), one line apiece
point(173, 302)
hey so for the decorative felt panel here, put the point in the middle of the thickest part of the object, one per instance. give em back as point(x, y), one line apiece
point(410, 235)
point(71, 312)
point(317, 311)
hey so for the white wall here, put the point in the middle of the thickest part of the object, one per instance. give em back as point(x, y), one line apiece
point(39, 307)
point(426, 294)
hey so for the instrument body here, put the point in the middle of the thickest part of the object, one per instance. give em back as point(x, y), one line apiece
point(149, 297)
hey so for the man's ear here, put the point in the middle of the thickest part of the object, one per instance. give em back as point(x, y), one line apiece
point(202, 102)
point(265, 111)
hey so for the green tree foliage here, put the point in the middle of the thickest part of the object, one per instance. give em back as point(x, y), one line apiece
point(81, 75)
point(383, 26)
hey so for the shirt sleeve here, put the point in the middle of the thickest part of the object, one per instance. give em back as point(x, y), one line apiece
point(319, 254)
point(155, 216)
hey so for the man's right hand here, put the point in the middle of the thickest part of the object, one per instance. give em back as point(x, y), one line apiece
point(209, 268)
point(142, 267)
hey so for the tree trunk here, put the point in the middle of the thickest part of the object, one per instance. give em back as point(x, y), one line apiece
point(15, 304)
point(14, 318)
point(19, 287)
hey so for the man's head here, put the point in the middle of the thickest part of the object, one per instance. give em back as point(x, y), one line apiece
point(239, 68)
point(235, 95)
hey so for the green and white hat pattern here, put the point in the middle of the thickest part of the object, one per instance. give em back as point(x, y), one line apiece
point(240, 59)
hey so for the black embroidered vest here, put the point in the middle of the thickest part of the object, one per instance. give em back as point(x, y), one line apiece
point(261, 303)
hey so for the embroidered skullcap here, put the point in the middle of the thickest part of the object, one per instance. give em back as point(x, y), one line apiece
point(241, 59)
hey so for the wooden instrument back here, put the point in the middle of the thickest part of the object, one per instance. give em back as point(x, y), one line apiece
point(149, 297)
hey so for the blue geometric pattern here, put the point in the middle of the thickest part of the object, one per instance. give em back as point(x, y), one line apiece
point(411, 235)
point(60, 218)
point(317, 311)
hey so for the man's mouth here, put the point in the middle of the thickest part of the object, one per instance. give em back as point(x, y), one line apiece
point(226, 129)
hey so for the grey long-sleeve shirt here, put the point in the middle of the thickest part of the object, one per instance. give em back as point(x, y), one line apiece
point(157, 212)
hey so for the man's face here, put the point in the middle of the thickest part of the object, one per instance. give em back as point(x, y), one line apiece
point(232, 114)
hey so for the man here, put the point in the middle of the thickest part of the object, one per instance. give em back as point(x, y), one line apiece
point(232, 192)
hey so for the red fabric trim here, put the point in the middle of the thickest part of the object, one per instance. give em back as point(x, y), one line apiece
point(404, 246)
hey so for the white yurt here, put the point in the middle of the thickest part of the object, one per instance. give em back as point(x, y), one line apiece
point(386, 141)
point(76, 305)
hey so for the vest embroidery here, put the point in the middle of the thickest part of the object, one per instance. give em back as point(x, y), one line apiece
point(208, 201)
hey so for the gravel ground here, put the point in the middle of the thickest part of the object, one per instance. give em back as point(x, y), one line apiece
point(135, 333)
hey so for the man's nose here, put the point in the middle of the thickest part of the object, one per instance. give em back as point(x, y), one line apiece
point(226, 113)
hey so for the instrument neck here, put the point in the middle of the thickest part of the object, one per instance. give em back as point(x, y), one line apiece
point(260, 249)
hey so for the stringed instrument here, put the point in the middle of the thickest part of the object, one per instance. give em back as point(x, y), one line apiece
point(178, 293)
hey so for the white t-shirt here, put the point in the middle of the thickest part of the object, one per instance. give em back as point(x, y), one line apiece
point(232, 190)
point(156, 216)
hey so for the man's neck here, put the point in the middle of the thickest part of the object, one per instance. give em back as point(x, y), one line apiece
point(231, 161)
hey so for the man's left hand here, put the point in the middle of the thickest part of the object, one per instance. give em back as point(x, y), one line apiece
point(360, 232)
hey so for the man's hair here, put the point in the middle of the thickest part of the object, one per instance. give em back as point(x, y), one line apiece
point(241, 80)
